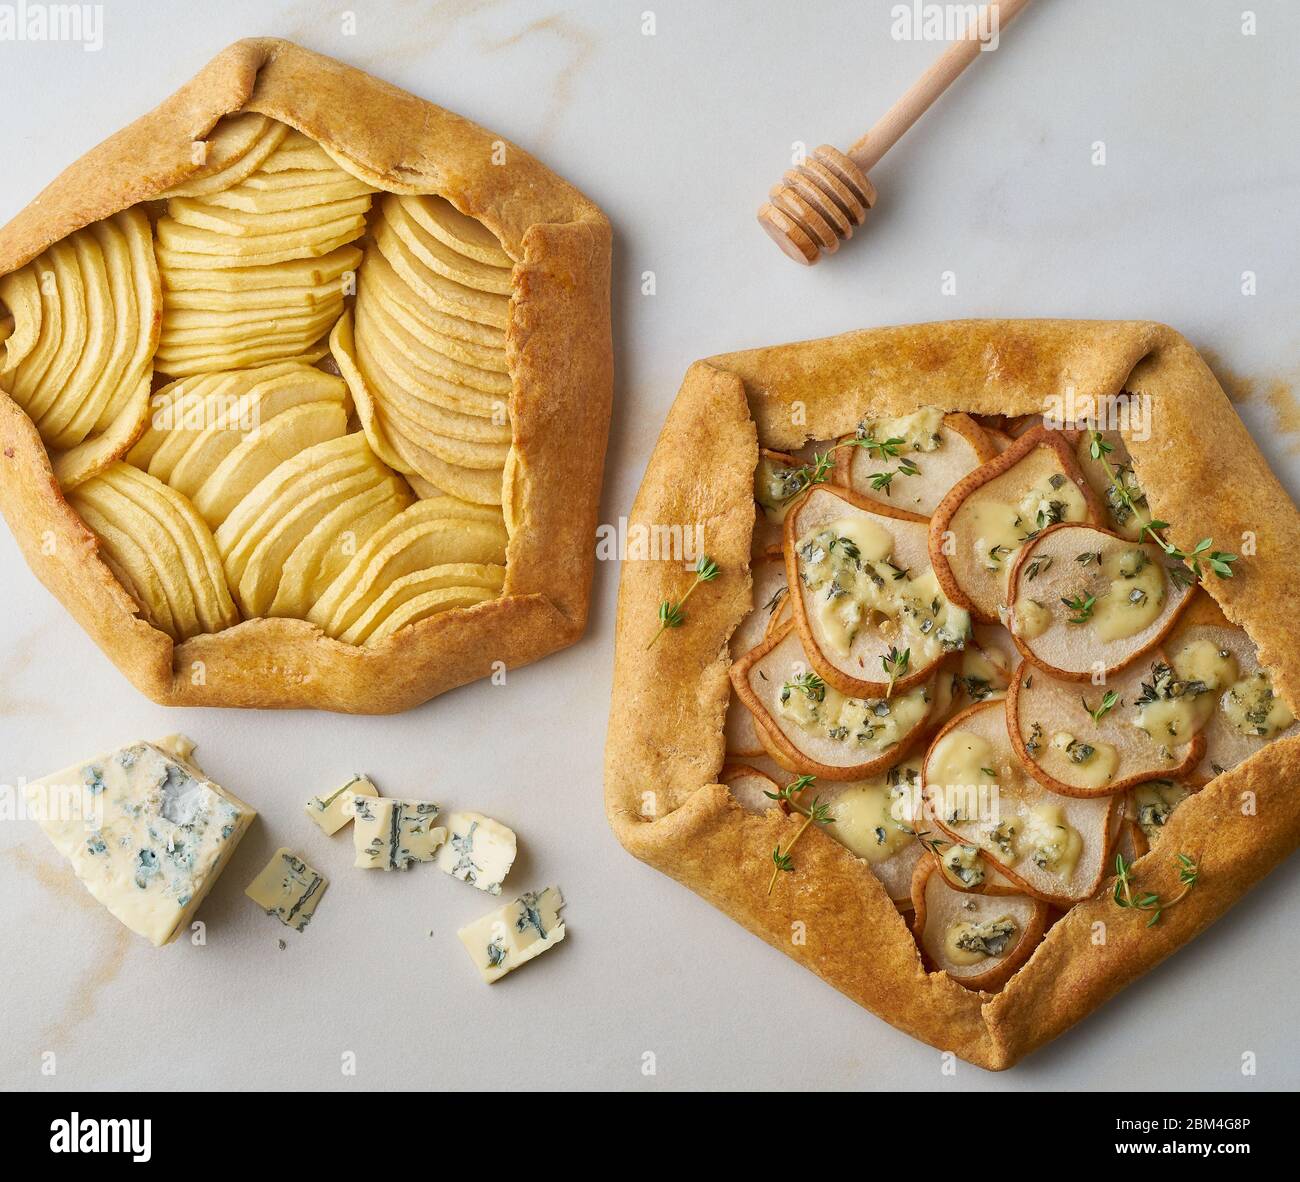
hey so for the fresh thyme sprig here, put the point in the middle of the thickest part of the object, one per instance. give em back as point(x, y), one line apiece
point(1188, 873)
point(819, 470)
point(816, 813)
point(671, 614)
point(895, 665)
point(1081, 606)
point(1109, 700)
point(1219, 561)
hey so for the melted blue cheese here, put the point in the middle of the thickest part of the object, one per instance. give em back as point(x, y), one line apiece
point(335, 809)
point(871, 725)
point(480, 851)
point(146, 833)
point(391, 834)
point(289, 889)
point(515, 934)
point(845, 564)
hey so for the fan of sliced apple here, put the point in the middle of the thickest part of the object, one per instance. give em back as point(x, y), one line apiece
point(968, 650)
point(363, 490)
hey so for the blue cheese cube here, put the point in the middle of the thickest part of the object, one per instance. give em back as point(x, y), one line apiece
point(515, 934)
point(334, 810)
point(480, 851)
point(289, 889)
point(145, 831)
point(391, 834)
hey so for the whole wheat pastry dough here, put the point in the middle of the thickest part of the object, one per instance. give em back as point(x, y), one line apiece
point(667, 793)
point(304, 392)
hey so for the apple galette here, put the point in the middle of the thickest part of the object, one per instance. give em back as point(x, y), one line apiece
point(304, 390)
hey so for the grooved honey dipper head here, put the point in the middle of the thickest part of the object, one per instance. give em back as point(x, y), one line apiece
point(817, 204)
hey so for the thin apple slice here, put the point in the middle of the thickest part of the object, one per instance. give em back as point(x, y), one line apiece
point(979, 793)
point(812, 727)
point(261, 451)
point(978, 940)
point(1086, 602)
point(916, 458)
point(1084, 740)
point(988, 515)
point(865, 600)
point(1226, 694)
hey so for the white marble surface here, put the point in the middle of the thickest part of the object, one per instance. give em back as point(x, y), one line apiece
point(677, 135)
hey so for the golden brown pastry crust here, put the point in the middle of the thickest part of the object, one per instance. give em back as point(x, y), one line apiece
point(560, 357)
point(665, 745)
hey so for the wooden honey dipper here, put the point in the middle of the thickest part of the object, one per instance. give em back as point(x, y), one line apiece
point(820, 201)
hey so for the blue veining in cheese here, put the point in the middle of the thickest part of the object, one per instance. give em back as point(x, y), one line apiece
point(480, 851)
point(515, 934)
point(334, 811)
point(390, 834)
point(289, 889)
point(146, 833)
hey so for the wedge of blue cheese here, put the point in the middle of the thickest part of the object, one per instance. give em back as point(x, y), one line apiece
point(479, 851)
point(289, 889)
point(145, 831)
point(390, 834)
point(515, 934)
point(335, 809)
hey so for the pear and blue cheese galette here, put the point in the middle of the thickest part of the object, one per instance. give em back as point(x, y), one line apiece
point(981, 700)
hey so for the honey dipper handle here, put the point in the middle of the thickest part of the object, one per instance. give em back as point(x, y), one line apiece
point(891, 127)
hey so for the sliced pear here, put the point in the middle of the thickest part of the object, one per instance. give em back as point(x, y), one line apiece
point(866, 594)
point(989, 514)
point(1086, 602)
point(769, 594)
point(1216, 686)
point(967, 867)
point(1119, 502)
point(481, 486)
point(978, 792)
point(344, 351)
point(749, 786)
point(980, 941)
point(984, 668)
point(916, 459)
point(322, 555)
point(810, 727)
point(431, 603)
point(778, 481)
point(261, 451)
point(872, 818)
point(181, 363)
point(302, 189)
point(768, 590)
point(1086, 740)
point(298, 151)
point(393, 599)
